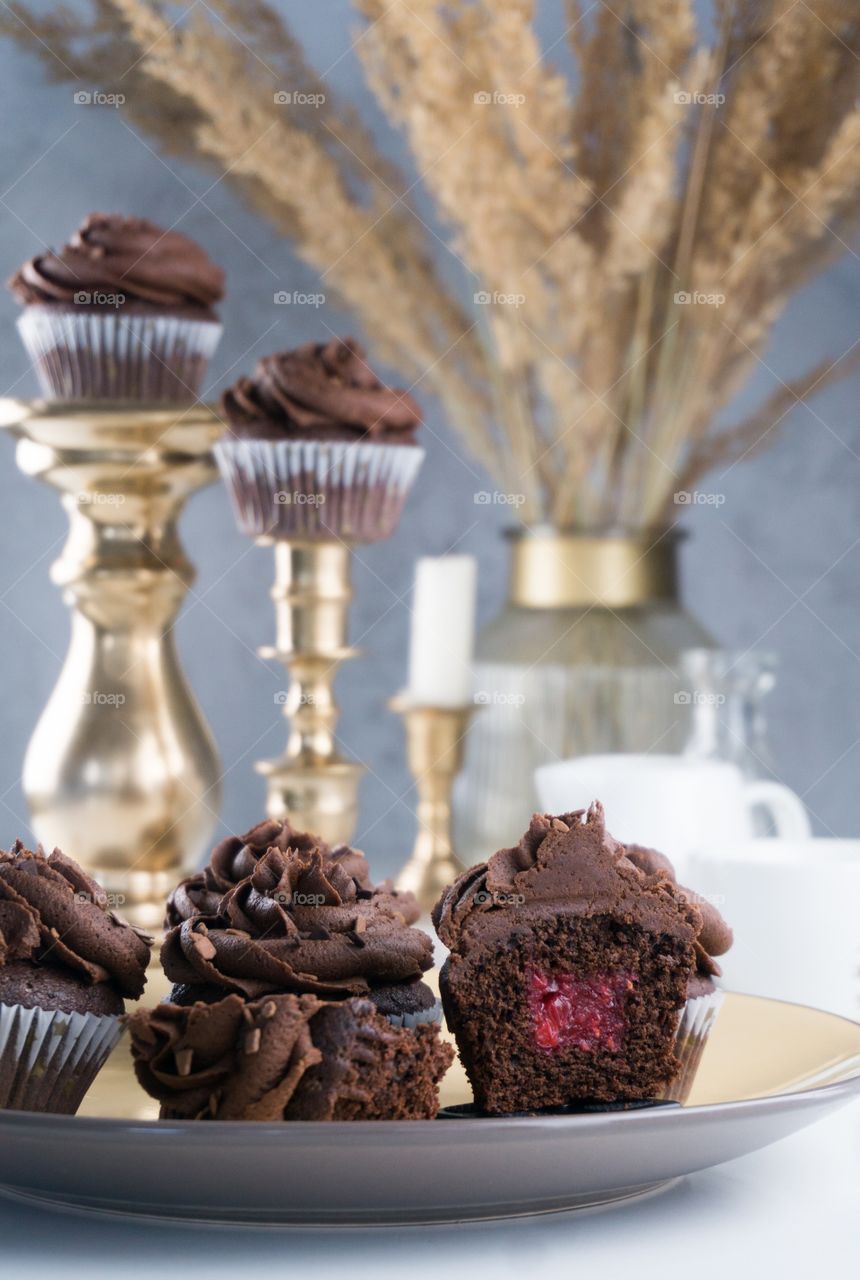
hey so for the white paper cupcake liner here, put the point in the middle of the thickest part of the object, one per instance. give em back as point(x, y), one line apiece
point(318, 489)
point(117, 355)
point(423, 1017)
point(49, 1059)
point(694, 1026)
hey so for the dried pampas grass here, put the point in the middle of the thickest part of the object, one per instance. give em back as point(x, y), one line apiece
point(627, 236)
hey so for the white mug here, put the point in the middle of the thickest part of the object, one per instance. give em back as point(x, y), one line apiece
point(671, 803)
point(794, 906)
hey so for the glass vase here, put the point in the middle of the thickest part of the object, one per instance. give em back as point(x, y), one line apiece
point(585, 658)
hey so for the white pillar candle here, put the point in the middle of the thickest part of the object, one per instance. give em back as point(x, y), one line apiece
point(443, 631)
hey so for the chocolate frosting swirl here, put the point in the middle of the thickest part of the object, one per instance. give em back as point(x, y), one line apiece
point(236, 858)
point(320, 391)
point(565, 863)
point(285, 1057)
point(52, 913)
point(715, 937)
point(110, 253)
point(298, 923)
point(234, 1060)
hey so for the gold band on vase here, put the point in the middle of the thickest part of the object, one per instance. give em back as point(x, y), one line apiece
point(553, 569)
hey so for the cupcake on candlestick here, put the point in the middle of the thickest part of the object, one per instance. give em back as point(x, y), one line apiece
point(318, 447)
point(123, 312)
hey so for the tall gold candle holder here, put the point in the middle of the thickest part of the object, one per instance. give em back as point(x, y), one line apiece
point(311, 782)
point(121, 772)
point(434, 748)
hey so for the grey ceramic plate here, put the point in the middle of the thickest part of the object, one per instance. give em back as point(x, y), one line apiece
point(770, 1069)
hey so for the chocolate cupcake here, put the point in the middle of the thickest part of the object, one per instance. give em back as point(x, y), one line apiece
point(305, 925)
point(285, 1057)
point(124, 311)
point(236, 858)
point(67, 963)
point(579, 970)
point(318, 447)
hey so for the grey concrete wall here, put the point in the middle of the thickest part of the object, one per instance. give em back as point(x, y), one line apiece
point(776, 566)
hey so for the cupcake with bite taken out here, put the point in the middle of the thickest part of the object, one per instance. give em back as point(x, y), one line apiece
point(579, 970)
point(308, 965)
point(67, 965)
point(318, 447)
point(123, 312)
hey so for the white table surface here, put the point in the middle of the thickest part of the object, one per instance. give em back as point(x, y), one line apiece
point(792, 1210)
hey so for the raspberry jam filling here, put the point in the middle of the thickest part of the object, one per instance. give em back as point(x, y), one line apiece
point(580, 1013)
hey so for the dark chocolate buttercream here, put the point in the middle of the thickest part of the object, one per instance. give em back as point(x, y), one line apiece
point(233, 1060)
point(285, 1057)
point(715, 937)
point(131, 257)
point(320, 391)
point(51, 912)
point(298, 923)
point(236, 858)
point(568, 863)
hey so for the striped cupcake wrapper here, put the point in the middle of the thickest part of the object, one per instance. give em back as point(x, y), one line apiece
point(102, 355)
point(694, 1026)
point(49, 1059)
point(317, 490)
point(424, 1017)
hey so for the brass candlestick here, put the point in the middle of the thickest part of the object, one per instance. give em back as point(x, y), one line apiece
point(121, 772)
point(434, 748)
point(311, 782)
